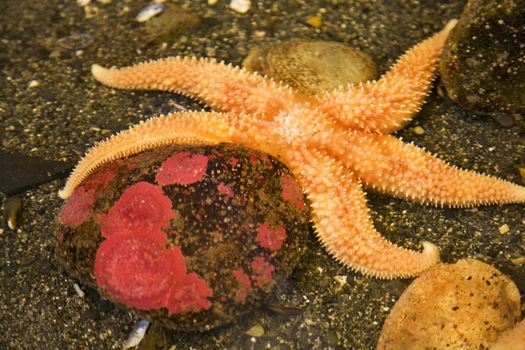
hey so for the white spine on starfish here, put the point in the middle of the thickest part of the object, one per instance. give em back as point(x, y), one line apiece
point(342, 221)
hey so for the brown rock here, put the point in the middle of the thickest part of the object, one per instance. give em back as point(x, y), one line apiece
point(452, 306)
point(482, 64)
point(187, 236)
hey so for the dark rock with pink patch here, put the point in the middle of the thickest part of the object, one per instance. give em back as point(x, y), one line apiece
point(190, 236)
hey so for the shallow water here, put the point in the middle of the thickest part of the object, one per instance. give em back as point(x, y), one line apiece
point(55, 43)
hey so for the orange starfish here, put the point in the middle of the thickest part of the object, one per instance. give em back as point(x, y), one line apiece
point(331, 143)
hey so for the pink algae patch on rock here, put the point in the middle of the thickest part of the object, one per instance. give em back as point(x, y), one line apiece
point(189, 293)
point(244, 285)
point(233, 161)
point(292, 191)
point(262, 272)
point(253, 159)
point(265, 159)
point(77, 208)
point(102, 179)
point(142, 207)
point(137, 269)
point(271, 238)
point(225, 189)
point(182, 168)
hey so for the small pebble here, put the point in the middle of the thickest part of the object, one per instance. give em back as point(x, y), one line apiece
point(150, 11)
point(315, 21)
point(503, 229)
point(522, 174)
point(340, 279)
point(33, 84)
point(241, 6)
point(255, 331)
point(12, 211)
point(418, 130)
point(518, 261)
point(83, 2)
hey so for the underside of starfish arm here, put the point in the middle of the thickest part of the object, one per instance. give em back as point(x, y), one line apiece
point(221, 86)
point(342, 221)
point(406, 171)
point(177, 128)
point(386, 105)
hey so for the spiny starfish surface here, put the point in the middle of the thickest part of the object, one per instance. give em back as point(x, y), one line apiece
point(333, 143)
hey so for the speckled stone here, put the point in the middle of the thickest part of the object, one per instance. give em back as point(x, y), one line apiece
point(465, 305)
point(237, 216)
point(311, 66)
point(482, 66)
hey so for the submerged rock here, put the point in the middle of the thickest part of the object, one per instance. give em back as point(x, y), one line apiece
point(170, 24)
point(311, 66)
point(188, 236)
point(482, 66)
point(464, 306)
point(512, 339)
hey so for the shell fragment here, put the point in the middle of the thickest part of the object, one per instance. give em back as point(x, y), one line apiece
point(150, 11)
point(137, 334)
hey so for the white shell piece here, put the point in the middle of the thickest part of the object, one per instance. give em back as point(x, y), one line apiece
point(83, 2)
point(149, 11)
point(79, 291)
point(137, 334)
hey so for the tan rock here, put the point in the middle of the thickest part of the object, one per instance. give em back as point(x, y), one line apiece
point(464, 306)
point(311, 66)
point(513, 339)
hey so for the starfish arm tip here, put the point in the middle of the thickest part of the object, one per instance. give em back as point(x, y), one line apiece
point(451, 24)
point(431, 251)
point(63, 193)
point(98, 71)
point(425, 260)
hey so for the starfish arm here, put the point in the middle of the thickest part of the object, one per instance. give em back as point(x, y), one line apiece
point(386, 105)
point(406, 171)
point(221, 86)
point(343, 224)
point(177, 128)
